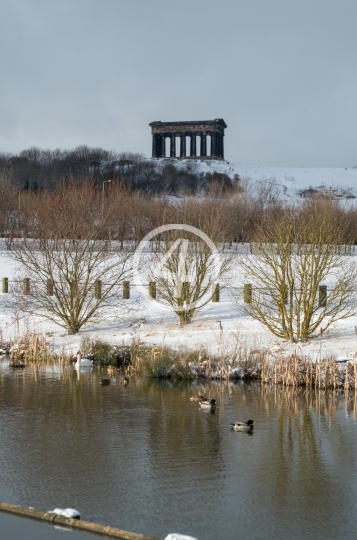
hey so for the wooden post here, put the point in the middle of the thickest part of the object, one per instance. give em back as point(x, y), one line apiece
point(27, 286)
point(98, 289)
point(49, 287)
point(5, 285)
point(215, 295)
point(247, 293)
point(322, 295)
point(126, 290)
point(152, 290)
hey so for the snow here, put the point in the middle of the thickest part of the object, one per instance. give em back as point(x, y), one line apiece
point(67, 512)
point(156, 325)
point(289, 180)
point(176, 536)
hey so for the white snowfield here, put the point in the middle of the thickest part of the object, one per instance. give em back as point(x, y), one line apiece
point(218, 326)
point(289, 181)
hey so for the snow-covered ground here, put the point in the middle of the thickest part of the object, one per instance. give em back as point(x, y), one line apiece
point(289, 180)
point(157, 325)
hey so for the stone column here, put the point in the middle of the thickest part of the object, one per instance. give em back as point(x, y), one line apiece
point(221, 152)
point(183, 145)
point(173, 145)
point(222, 146)
point(193, 145)
point(219, 145)
point(203, 145)
point(163, 145)
point(213, 144)
point(156, 145)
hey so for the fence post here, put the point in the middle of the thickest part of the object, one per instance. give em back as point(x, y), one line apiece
point(322, 295)
point(98, 289)
point(5, 285)
point(215, 294)
point(247, 293)
point(152, 289)
point(49, 287)
point(26, 286)
point(126, 290)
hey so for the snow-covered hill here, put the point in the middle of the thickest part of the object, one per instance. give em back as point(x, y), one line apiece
point(293, 182)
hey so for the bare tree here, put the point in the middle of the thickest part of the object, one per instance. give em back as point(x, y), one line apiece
point(188, 267)
point(297, 251)
point(75, 276)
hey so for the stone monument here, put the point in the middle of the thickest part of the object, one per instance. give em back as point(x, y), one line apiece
point(197, 131)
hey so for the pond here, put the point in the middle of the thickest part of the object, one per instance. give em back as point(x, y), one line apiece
point(146, 459)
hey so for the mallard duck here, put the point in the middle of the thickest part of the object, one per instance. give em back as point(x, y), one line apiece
point(242, 426)
point(124, 381)
point(208, 405)
point(200, 397)
point(105, 382)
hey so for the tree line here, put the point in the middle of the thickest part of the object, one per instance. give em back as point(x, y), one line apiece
point(36, 170)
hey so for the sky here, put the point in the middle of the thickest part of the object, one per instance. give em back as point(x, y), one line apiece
point(281, 73)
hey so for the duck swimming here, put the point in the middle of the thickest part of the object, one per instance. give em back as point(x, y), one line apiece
point(124, 381)
point(105, 382)
point(208, 405)
point(242, 426)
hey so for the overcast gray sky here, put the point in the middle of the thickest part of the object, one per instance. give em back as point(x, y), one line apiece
point(281, 73)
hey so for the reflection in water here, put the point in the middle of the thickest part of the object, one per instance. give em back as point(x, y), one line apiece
point(145, 458)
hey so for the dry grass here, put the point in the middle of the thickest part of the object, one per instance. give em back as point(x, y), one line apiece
point(33, 348)
point(292, 371)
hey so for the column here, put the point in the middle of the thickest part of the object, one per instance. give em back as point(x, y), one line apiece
point(213, 144)
point(203, 145)
point(163, 145)
point(219, 145)
point(193, 145)
point(173, 145)
point(183, 145)
point(222, 152)
point(156, 146)
point(159, 145)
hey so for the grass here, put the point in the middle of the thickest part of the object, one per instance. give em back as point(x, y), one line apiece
point(33, 348)
point(184, 364)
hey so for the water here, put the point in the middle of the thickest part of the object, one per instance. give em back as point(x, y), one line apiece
point(146, 459)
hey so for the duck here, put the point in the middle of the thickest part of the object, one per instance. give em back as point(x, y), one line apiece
point(124, 381)
point(200, 397)
point(105, 382)
point(208, 405)
point(242, 426)
point(82, 362)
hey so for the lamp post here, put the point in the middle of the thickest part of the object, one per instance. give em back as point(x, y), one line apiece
point(105, 182)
